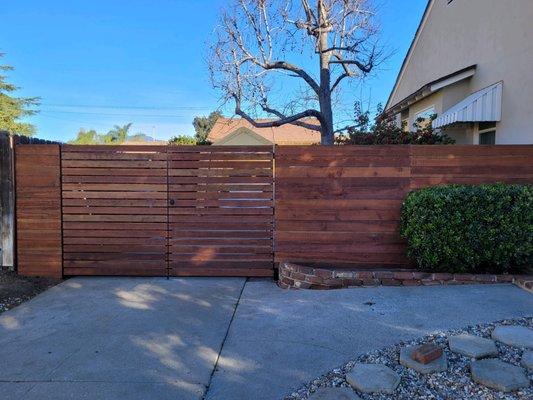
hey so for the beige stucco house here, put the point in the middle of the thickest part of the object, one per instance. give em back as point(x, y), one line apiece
point(471, 63)
point(239, 132)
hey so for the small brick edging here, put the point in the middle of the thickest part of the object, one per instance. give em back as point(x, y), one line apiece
point(300, 277)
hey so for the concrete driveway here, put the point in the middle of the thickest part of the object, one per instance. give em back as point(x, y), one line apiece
point(152, 338)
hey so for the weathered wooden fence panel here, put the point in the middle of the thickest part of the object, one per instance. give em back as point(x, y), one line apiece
point(341, 205)
point(114, 210)
point(38, 208)
point(221, 210)
point(7, 202)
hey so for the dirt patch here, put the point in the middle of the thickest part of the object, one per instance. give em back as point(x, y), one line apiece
point(15, 289)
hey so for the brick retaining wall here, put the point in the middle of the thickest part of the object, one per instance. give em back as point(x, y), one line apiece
point(302, 277)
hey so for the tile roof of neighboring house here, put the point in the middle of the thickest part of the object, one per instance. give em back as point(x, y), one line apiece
point(285, 134)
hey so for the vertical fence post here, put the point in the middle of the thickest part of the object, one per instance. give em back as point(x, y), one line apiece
point(7, 202)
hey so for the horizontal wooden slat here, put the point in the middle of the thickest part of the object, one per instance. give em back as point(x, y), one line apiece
point(38, 206)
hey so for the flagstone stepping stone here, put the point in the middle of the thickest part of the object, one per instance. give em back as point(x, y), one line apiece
point(518, 336)
point(527, 360)
point(498, 375)
point(438, 365)
point(472, 346)
point(334, 393)
point(373, 378)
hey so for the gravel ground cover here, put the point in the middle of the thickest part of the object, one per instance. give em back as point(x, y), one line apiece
point(455, 383)
point(15, 289)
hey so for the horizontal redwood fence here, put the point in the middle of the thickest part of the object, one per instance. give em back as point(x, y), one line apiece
point(230, 211)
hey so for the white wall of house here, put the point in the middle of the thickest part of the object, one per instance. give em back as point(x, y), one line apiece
point(497, 35)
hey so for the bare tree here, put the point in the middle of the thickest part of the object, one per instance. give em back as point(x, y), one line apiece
point(250, 58)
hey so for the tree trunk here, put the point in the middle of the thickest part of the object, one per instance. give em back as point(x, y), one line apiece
point(327, 136)
point(324, 95)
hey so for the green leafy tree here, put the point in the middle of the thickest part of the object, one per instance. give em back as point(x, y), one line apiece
point(202, 126)
point(182, 140)
point(118, 134)
point(13, 109)
point(86, 137)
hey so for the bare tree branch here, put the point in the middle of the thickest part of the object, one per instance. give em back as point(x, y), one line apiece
point(260, 44)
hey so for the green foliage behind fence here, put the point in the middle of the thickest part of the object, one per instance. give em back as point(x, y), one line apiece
point(469, 228)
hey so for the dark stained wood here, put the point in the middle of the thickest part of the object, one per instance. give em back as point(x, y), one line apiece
point(221, 219)
point(38, 205)
point(115, 210)
point(342, 205)
point(232, 211)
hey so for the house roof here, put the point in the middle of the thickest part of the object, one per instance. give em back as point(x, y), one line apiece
point(432, 87)
point(286, 134)
point(410, 51)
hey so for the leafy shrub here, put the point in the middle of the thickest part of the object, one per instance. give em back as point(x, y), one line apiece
point(469, 228)
point(181, 140)
point(385, 130)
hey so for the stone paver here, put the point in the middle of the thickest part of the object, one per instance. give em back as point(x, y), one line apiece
point(518, 336)
point(334, 394)
point(406, 360)
point(498, 375)
point(472, 346)
point(527, 360)
point(373, 378)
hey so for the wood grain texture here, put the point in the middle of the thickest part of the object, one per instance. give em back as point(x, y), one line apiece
point(340, 205)
point(221, 216)
point(115, 210)
point(38, 206)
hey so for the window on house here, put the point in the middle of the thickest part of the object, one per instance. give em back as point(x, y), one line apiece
point(487, 132)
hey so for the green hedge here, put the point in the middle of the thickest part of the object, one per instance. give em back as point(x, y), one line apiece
point(469, 228)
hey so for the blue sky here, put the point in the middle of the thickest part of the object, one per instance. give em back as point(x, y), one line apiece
point(104, 62)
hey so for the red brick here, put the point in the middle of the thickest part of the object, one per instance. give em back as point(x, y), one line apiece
point(319, 287)
point(364, 275)
point(422, 275)
point(505, 278)
point(391, 282)
point(431, 282)
point(305, 270)
point(287, 281)
point(442, 277)
point(371, 282)
point(411, 282)
point(352, 282)
point(298, 276)
point(384, 274)
point(323, 273)
point(333, 282)
point(485, 278)
point(314, 279)
point(464, 277)
point(403, 275)
point(426, 353)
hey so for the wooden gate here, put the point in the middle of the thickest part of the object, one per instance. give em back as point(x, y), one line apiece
point(157, 211)
point(114, 210)
point(221, 210)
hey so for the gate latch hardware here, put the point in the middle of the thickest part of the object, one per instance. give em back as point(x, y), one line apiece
point(171, 202)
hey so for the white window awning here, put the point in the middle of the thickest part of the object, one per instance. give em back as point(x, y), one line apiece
point(482, 106)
